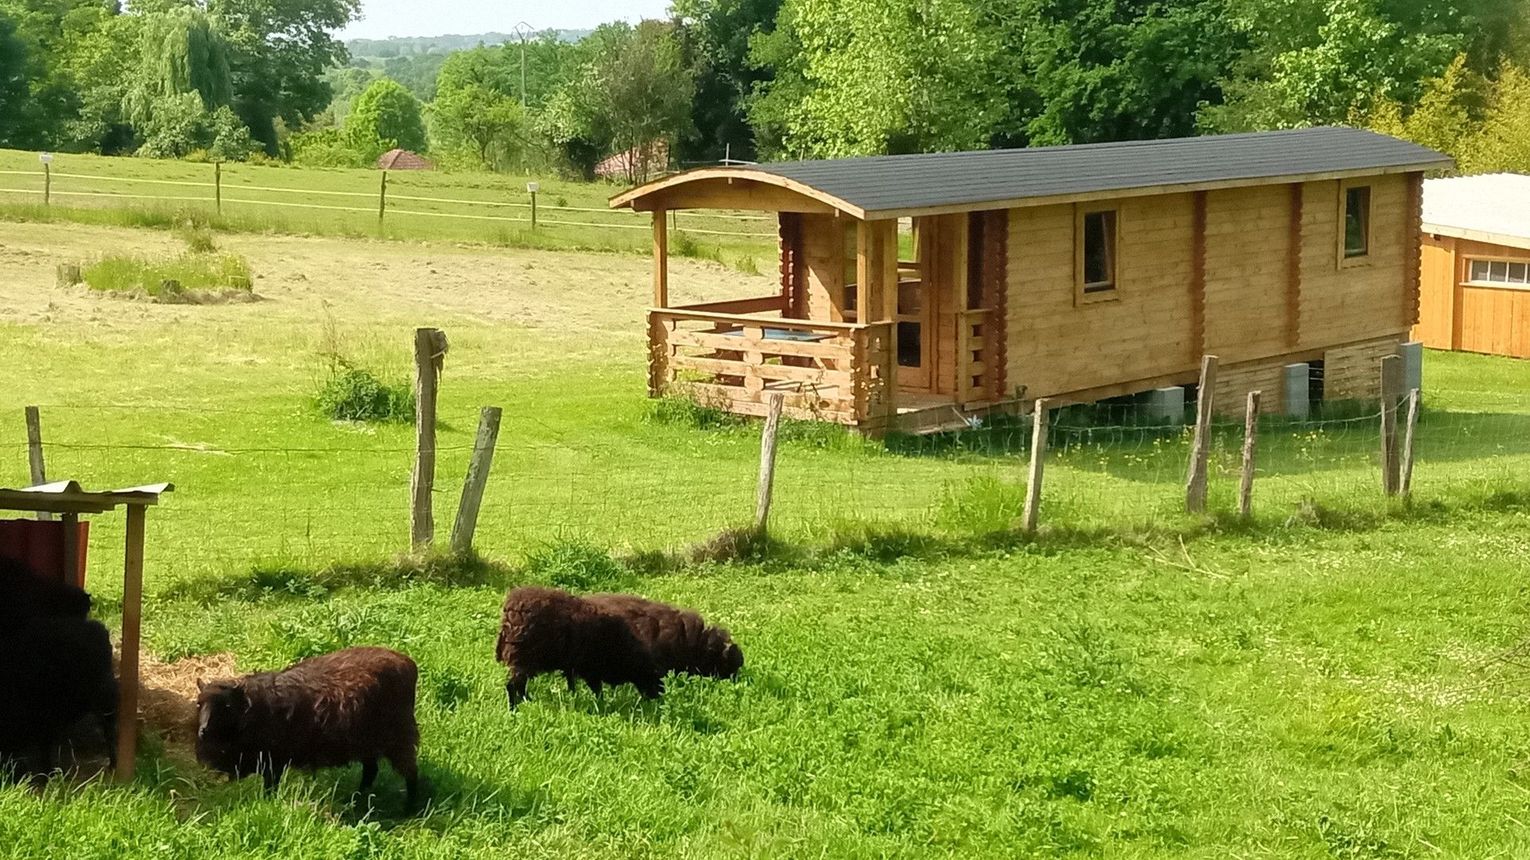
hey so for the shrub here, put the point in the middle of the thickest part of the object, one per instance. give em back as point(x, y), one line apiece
point(354, 394)
point(682, 411)
point(576, 565)
point(199, 240)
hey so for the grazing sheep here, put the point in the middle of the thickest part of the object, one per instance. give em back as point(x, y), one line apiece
point(545, 630)
point(24, 594)
point(681, 640)
point(53, 673)
point(326, 711)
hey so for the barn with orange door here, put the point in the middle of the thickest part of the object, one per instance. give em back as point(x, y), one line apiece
point(1476, 265)
point(918, 290)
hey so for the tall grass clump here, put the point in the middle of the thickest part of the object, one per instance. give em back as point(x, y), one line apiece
point(577, 565)
point(184, 278)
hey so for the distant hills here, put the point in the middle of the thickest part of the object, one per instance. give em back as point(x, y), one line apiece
point(409, 46)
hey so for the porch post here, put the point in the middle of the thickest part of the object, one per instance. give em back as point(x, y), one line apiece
point(865, 269)
point(660, 259)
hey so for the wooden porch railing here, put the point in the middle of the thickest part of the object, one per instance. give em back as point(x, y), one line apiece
point(974, 350)
point(839, 372)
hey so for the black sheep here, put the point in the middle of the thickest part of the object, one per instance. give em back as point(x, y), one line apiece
point(681, 640)
point(53, 673)
point(24, 594)
point(546, 630)
point(326, 711)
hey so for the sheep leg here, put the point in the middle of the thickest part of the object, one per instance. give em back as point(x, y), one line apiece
point(596, 686)
point(406, 763)
point(651, 687)
point(271, 773)
point(109, 732)
point(571, 680)
point(368, 775)
point(515, 688)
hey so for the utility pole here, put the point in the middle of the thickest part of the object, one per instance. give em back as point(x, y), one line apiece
point(524, 31)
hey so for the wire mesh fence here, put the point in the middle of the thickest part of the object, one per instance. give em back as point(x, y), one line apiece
point(249, 493)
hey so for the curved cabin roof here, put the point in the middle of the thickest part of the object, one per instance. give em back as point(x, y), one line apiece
point(897, 186)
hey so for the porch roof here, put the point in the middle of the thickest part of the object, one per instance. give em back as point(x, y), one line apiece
point(906, 185)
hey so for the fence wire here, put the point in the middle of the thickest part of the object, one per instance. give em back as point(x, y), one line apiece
point(257, 487)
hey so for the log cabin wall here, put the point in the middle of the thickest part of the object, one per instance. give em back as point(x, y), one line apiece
point(1263, 287)
point(823, 267)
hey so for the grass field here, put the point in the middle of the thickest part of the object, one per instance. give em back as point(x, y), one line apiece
point(920, 680)
point(421, 205)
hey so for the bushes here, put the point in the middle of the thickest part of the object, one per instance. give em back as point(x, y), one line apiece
point(354, 394)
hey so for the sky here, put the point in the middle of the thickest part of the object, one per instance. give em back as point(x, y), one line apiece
point(384, 18)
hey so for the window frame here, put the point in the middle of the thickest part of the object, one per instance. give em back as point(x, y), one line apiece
point(1466, 272)
point(1085, 293)
point(1346, 260)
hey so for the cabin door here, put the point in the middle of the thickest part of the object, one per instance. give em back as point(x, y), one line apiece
point(918, 304)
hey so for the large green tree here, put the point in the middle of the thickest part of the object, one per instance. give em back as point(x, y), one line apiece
point(715, 36)
point(278, 52)
point(632, 95)
point(180, 52)
point(385, 116)
point(13, 82)
point(488, 123)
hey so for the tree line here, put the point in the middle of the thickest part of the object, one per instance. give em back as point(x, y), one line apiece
point(764, 79)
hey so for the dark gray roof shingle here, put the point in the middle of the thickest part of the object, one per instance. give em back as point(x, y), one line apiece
point(918, 182)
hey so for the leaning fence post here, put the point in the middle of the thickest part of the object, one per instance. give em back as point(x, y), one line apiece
point(477, 479)
point(35, 452)
point(1391, 391)
point(1038, 465)
point(1250, 444)
point(382, 198)
point(1200, 448)
point(429, 351)
point(1407, 455)
point(768, 461)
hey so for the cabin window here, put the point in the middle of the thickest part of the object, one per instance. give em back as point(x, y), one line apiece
point(1357, 221)
point(1498, 273)
point(1096, 254)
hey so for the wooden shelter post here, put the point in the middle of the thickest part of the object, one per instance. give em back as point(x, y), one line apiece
point(660, 259)
point(132, 632)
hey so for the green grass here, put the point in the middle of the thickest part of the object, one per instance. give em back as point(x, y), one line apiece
point(175, 278)
point(920, 681)
point(486, 208)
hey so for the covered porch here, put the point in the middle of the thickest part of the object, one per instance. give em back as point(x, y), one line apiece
point(877, 323)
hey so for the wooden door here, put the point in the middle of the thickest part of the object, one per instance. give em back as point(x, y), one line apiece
point(916, 333)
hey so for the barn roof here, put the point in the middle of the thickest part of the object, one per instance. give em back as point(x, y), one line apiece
point(901, 185)
point(403, 159)
point(1493, 208)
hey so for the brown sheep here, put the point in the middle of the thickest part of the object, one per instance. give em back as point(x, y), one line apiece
point(326, 711)
point(681, 640)
point(546, 630)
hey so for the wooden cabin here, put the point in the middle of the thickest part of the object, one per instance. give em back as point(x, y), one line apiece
point(1476, 265)
point(916, 291)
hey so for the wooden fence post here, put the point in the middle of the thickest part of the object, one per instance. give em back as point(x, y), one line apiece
point(1038, 466)
point(429, 350)
point(1250, 444)
point(1391, 391)
point(768, 461)
point(1200, 448)
point(35, 453)
point(218, 186)
point(47, 184)
point(132, 631)
point(477, 479)
point(1407, 455)
point(382, 199)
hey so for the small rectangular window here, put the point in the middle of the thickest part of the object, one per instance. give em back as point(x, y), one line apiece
point(1097, 244)
point(1492, 272)
point(1357, 222)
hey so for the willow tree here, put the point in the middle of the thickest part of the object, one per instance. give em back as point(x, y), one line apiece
point(180, 52)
